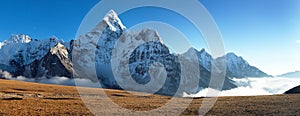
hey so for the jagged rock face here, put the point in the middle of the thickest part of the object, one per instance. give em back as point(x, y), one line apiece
point(135, 53)
point(110, 52)
point(112, 32)
point(94, 48)
point(236, 67)
point(239, 68)
point(147, 54)
point(26, 53)
point(34, 70)
point(23, 55)
point(21, 38)
point(106, 44)
point(143, 57)
point(57, 63)
point(204, 60)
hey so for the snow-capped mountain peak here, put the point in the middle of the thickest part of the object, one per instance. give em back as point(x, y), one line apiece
point(110, 48)
point(19, 38)
point(238, 67)
point(232, 55)
point(204, 57)
point(234, 61)
point(59, 48)
point(16, 38)
point(113, 21)
point(202, 50)
point(53, 40)
point(1, 44)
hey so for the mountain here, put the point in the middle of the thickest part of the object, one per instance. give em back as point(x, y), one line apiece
point(57, 62)
point(291, 74)
point(236, 66)
point(143, 53)
point(94, 50)
point(23, 55)
point(22, 38)
point(118, 58)
point(103, 39)
point(295, 90)
point(239, 68)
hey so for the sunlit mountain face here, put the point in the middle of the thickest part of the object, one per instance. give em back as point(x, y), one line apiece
point(50, 59)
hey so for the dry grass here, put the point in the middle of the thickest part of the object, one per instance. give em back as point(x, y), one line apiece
point(24, 98)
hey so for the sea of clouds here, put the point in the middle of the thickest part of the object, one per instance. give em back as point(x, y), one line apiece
point(246, 86)
point(54, 80)
point(253, 87)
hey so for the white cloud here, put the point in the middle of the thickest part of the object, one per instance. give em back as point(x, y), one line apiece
point(53, 80)
point(298, 41)
point(254, 86)
point(5, 74)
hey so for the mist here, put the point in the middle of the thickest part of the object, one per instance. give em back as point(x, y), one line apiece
point(253, 87)
point(246, 86)
point(54, 80)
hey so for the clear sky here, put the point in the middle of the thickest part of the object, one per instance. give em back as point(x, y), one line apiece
point(265, 32)
point(42, 18)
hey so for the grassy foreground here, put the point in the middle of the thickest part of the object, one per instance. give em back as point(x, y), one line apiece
point(25, 98)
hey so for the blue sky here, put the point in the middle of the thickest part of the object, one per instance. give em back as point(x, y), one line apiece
point(264, 32)
point(43, 18)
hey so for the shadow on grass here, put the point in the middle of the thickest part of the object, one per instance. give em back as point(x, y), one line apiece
point(12, 98)
point(59, 98)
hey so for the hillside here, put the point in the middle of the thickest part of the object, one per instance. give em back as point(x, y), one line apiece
point(295, 90)
point(24, 98)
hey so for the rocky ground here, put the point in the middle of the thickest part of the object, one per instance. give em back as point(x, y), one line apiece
point(24, 98)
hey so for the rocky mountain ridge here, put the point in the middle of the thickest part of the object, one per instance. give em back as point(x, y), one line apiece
point(140, 56)
point(295, 74)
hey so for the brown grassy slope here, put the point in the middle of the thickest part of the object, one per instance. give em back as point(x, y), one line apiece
point(24, 98)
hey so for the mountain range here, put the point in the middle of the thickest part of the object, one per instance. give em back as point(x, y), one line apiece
point(291, 74)
point(52, 57)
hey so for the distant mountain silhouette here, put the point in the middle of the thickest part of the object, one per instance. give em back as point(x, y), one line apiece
point(295, 90)
point(291, 74)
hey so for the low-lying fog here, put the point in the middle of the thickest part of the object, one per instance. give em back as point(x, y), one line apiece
point(246, 86)
point(254, 86)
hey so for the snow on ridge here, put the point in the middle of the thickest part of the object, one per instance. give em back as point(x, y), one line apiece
point(16, 38)
point(111, 18)
point(25, 50)
point(59, 48)
point(101, 42)
point(1, 44)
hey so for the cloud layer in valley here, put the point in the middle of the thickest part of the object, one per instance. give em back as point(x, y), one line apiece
point(255, 86)
point(53, 80)
point(246, 86)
